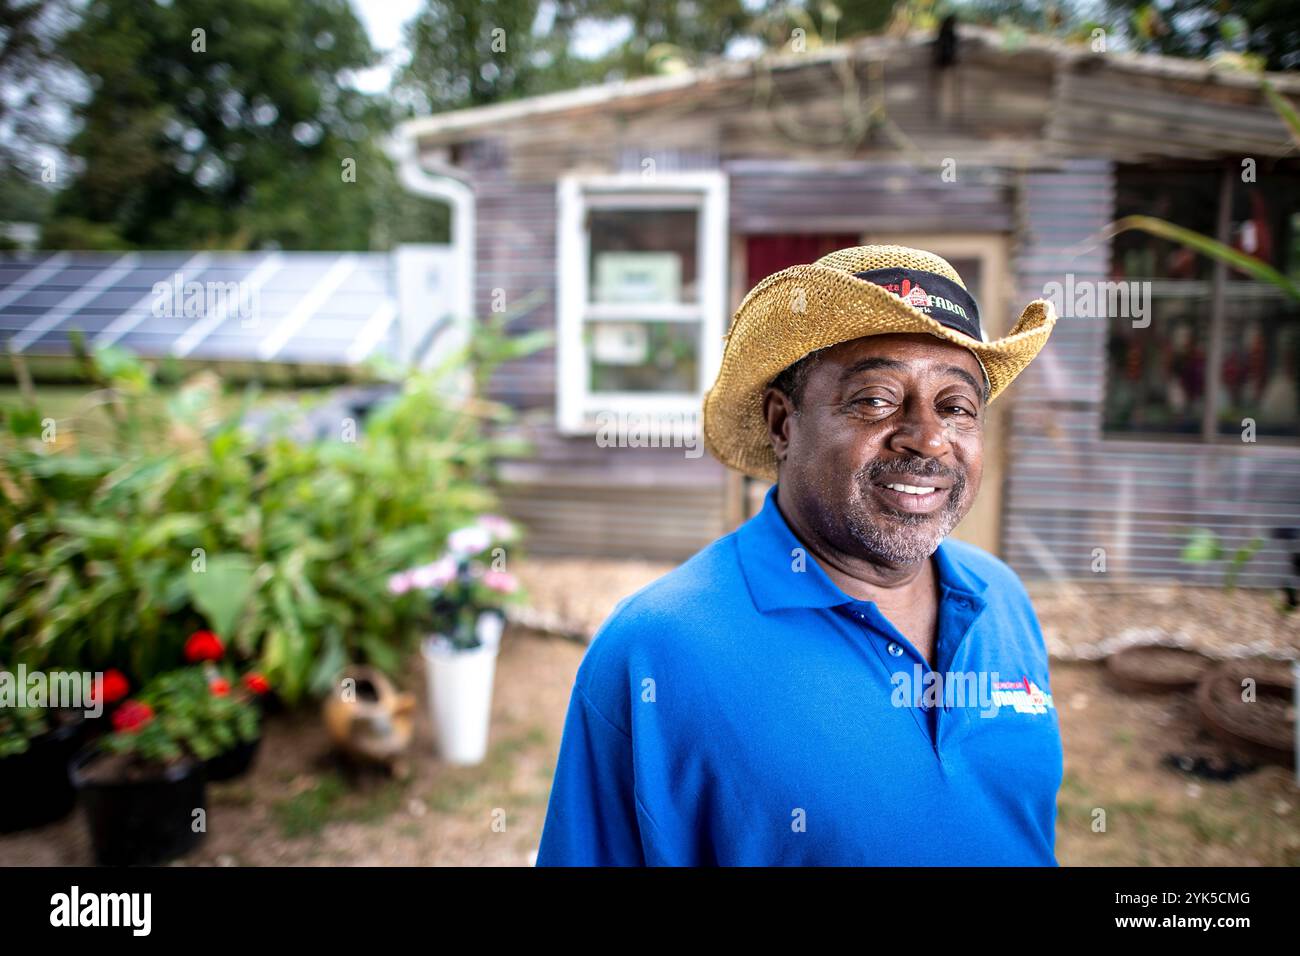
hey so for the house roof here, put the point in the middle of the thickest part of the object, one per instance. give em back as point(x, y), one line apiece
point(449, 126)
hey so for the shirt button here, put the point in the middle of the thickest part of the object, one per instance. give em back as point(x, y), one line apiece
point(895, 649)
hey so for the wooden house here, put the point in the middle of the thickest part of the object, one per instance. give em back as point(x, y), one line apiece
point(644, 211)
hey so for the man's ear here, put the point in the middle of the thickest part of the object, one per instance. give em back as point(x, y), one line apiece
point(778, 411)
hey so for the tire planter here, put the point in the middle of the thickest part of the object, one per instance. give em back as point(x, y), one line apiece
point(235, 762)
point(34, 785)
point(136, 822)
point(1156, 670)
point(1265, 728)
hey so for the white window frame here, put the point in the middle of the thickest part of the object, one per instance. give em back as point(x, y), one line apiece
point(576, 405)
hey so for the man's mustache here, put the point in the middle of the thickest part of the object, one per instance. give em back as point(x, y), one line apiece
point(916, 467)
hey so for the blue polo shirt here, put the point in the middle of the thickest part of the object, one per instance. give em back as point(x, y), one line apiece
point(743, 710)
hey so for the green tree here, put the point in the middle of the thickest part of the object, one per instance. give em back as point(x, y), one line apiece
point(34, 79)
point(1267, 29)
point(472, 52)
point(224, 124)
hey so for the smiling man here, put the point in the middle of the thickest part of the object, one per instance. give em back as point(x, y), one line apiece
point(835, 682)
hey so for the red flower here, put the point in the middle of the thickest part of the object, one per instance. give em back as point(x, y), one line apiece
point(203, 646)
point(131, 716)
point(220, 687)
point(111, 688)
point(256, 683)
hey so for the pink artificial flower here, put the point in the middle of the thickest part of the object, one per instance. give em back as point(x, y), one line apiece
point(498, 527)
point(436, 575)
point(502, 581)
point(468, 540)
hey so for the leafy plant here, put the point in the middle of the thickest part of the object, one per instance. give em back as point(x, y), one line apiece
point(180, 515)
point(183, 713)
point(1203, 547)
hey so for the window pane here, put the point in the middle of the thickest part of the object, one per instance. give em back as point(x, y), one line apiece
point(1186, 197)
point(1264, 219)
point(1261, 370)
point(1155, 376)
point(643, 255)
point(643, 356)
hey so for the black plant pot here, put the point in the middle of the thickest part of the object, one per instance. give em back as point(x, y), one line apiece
point(34, 785)
point(135, 822)
point(234, 762)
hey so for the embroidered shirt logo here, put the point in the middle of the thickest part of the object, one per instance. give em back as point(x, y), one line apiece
point(1023, 696)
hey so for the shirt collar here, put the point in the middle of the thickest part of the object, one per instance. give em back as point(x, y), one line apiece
point(781, 573)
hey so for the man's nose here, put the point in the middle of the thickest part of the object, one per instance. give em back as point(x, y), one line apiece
point(921, 432)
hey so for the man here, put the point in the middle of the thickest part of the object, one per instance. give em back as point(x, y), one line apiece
point(833, 683)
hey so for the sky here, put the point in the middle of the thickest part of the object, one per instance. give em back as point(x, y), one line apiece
point(383, 20)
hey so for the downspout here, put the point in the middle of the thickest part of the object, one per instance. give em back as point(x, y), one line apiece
point(442, 184)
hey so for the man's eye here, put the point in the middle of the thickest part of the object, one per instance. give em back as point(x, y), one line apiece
point(960, 410)
point(872, 398)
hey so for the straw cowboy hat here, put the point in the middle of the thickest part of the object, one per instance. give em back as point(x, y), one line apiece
point(865, 290)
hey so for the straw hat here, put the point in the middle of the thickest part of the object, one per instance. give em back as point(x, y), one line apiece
point(865, 290)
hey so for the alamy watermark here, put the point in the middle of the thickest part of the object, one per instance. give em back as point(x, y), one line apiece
point(985, 690)
point(1090, 299)
point(650, 430)
point(197, 300)
point(71, 690)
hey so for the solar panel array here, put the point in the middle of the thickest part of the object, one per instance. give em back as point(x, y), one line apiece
point(299, 307)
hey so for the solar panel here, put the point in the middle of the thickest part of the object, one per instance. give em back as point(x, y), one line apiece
point(320, 307)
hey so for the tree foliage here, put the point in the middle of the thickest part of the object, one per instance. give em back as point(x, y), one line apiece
point(224, 124)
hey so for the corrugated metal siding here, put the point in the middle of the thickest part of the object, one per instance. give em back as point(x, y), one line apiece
point(860, 196)
point(516, 242)
point(1069, 489)
point(653, 523)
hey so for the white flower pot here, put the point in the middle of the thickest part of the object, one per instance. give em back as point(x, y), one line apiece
point(460, 692)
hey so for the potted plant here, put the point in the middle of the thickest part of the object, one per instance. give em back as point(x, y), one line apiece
point(243, 699)
point(143, 784)
point(466, 591)
point(36, 744)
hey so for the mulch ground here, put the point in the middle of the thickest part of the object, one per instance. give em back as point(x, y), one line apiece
point(1123, 752)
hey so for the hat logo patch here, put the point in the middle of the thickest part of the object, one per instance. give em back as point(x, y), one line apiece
point(918, 298)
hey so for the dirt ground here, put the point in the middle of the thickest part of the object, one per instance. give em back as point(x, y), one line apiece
point(1080, 622)
point(298, 807)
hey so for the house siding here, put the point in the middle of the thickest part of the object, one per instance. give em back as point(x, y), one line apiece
point(1030, 164)
point(1071, 489)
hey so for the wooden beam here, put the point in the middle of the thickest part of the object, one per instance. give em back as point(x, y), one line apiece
point(1214, 352)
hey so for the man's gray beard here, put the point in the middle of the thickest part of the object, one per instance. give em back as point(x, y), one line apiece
point(902, 538)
